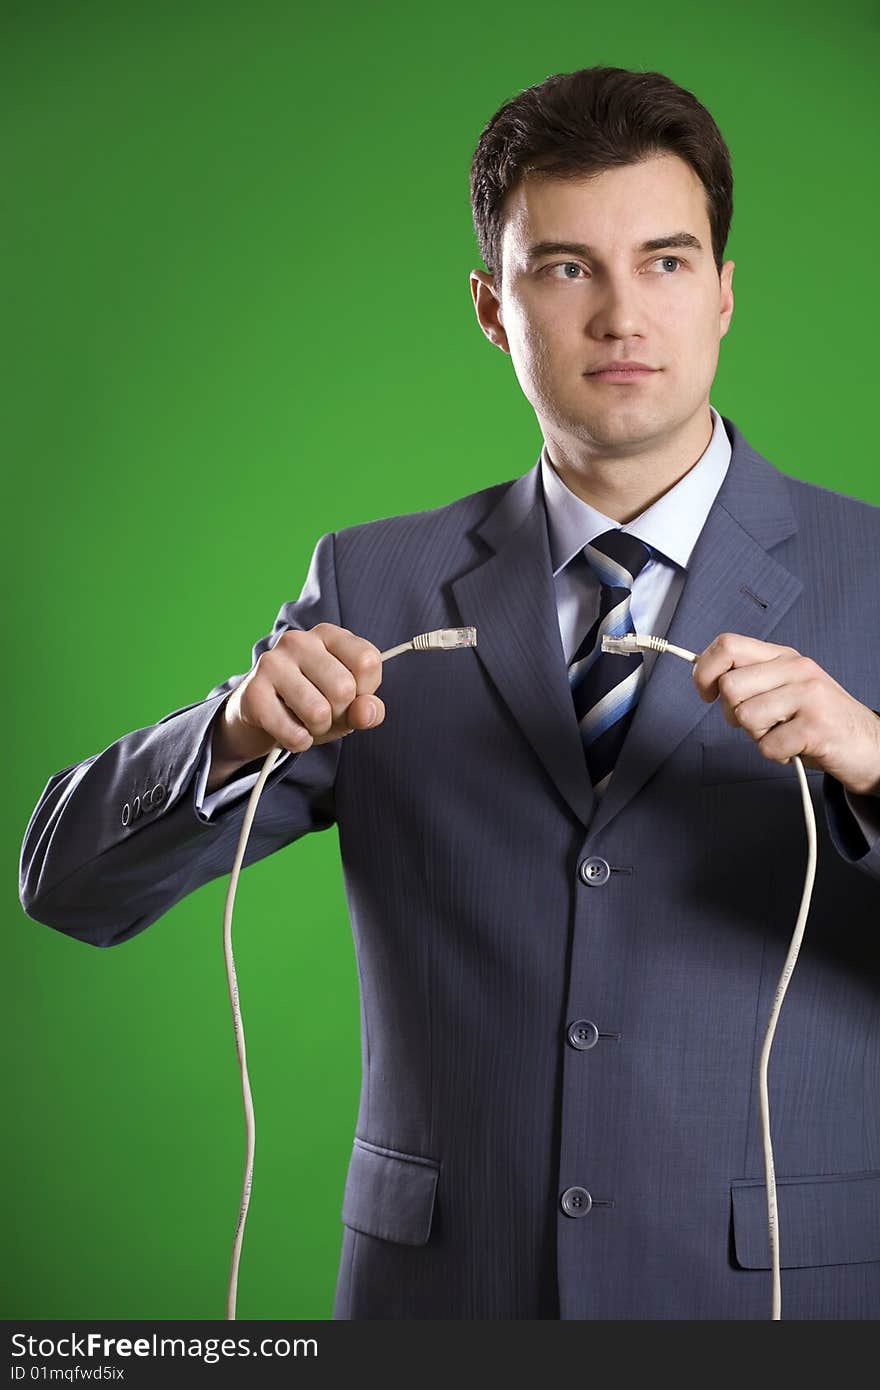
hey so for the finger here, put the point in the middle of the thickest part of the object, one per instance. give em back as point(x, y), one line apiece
point(306, 704)
point(365, 712)
point(786, 740)
point(729, 650)
point(742, 683)
point(277, 719)
point(355, 654)
point(772, 708)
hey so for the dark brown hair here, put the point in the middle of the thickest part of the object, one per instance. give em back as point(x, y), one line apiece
point(574, 124)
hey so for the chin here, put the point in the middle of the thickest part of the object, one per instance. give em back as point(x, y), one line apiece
point(621, 418)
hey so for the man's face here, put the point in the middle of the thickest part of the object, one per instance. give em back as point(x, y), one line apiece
point(562, 314)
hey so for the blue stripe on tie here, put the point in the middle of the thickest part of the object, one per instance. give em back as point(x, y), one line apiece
point(612, 575)
point(611, 707)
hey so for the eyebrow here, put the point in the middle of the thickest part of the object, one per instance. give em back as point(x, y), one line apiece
point(579, 248)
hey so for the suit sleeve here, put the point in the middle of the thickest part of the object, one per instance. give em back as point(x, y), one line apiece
point(866, 810)
point(854, 825)
point(117, 839)
point(237, 786)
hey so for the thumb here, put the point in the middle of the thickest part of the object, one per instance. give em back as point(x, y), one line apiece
point(366, 712)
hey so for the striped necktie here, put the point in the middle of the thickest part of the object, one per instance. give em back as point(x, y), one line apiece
point(605, 686)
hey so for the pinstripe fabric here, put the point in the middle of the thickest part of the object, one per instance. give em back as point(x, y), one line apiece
point(606, 686)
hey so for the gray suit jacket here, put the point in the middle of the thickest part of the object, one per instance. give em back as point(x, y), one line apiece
point(562, 1006)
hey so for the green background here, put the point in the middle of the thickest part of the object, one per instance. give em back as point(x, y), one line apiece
point(237, 240)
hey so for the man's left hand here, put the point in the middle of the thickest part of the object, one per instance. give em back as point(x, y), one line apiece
point(791, 706)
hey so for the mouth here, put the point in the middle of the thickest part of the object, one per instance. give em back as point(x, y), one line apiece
point(622, 374)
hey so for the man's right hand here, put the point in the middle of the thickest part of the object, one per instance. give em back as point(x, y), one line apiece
point(311, 687)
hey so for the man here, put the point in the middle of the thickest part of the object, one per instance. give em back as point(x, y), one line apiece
point(572, 877)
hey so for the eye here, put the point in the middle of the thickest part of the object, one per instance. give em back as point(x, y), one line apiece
point(677, 260)
point(557, 264)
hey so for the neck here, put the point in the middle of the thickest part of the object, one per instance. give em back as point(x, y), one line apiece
point(624, 480)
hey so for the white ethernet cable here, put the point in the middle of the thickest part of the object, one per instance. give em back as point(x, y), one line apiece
point(626, 645)
point(442, 639)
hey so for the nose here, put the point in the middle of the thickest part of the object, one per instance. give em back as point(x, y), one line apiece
point(615, 307)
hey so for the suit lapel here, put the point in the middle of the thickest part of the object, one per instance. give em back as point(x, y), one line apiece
point(511, 600)
point(733, 585)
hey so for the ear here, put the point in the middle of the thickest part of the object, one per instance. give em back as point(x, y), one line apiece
point(488, 308)
point(726, 295)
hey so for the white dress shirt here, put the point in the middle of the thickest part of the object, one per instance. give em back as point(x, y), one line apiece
point(671, 526)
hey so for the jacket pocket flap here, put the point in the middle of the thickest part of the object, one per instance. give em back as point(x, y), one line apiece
point(390, 1194)
point(831, 1219)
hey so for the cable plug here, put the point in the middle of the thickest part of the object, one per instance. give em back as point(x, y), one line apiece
point(445, 639)
point(631, 642)
point(620, 646)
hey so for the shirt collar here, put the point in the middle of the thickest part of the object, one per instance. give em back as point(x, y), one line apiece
point(670, 525)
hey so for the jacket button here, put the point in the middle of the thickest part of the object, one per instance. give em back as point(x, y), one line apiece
point(157, 794)
point(583, 1034)
point(135, 808)
point(595, 871)
point(576, 1201)
point(126, 814)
